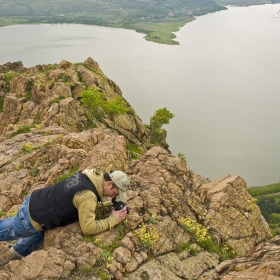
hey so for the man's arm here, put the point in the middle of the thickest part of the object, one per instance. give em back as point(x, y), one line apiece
point(86, 203)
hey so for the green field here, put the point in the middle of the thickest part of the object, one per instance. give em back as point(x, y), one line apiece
point(268, 199)
point(155, 18)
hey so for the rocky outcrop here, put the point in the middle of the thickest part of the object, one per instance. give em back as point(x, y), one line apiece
point(14, 66)
point(262, 263)
point(50, 95)
point(152, 243)
point(230, 206)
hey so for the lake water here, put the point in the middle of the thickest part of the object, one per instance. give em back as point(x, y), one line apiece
point(222, 82)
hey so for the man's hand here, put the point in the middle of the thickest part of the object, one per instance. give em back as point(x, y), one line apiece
point(120, 214)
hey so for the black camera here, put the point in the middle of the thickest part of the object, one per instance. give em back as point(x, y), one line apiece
point(119, 205)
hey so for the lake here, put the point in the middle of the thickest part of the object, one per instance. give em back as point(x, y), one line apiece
point(221, 82)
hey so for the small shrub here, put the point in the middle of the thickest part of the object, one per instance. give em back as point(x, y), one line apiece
point(88, 239)
point(28, 94)
point(160, 117)
point(51, 67)
point(182, 247)
point(28, 148)
point(57, 100)
point(9, 76)
point(65, 79)
point(226, 252)
point(122, 230)
point(51, 85)
point(101, 274)
point(147, 236)
point(38, 126)
point(80, 77)
point(1, 104)
point(115, 106)
point(18, 167)
point(87, 269)
point(193, 251)
point(182, 157)
point(197, 231)
point(47, 132)
point(33, 172)
point(22, 129)
point(200, 236)
point(24, 193)
point(152, 219)
point(134, 150)
point(95, 101)
point(106, 255)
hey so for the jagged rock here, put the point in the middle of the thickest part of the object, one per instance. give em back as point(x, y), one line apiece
point(2, 83)
point(232, 213)
point(170, 266)
point(18, 85)
point(262, 263)
point(52, 264)
point(110, 154)
point(52, 98)
point(14, 66)
point(163, 189)
point(70, 240)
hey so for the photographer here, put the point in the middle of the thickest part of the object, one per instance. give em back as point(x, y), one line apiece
point(75, 198)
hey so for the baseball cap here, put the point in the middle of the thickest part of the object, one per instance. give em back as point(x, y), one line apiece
point(121, 180)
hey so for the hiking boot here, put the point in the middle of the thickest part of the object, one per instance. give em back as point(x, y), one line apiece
point(9, 255)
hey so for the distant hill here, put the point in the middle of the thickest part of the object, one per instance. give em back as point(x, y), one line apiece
point(268, 199)
point(156, 18)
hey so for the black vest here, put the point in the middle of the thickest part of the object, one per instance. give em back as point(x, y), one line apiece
point(53, 206)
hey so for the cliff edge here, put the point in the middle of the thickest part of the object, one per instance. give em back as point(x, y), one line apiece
point(181, 225)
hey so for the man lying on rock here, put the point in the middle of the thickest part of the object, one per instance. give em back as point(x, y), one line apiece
point(73, 199)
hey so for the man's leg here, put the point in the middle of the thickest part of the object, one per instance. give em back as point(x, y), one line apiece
point(27, 245)
point(17, 227)
point(7, 229)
